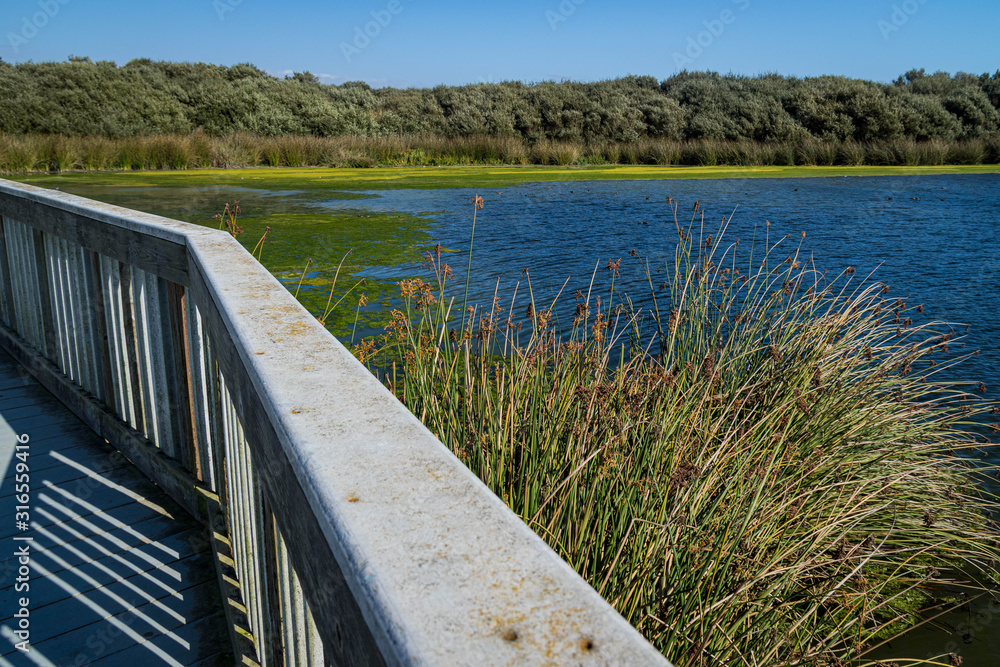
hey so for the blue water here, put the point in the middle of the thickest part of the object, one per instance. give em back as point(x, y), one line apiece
point(933, 239)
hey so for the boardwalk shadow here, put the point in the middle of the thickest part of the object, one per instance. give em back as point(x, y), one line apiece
point(117, 573)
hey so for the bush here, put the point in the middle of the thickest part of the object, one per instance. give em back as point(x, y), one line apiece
point(142, 98)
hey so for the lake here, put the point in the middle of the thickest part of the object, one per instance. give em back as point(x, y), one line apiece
point(933, 239)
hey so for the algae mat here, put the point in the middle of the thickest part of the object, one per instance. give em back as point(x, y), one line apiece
point(321, 181)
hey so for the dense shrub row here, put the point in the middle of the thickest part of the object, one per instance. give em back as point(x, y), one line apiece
point(142, 97)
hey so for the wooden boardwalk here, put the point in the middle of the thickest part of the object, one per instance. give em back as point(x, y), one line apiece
point(119, 574)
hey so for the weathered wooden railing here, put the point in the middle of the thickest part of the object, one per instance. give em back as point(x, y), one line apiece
point(347, 533)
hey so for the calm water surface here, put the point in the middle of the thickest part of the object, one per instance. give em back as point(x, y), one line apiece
point(933, 239)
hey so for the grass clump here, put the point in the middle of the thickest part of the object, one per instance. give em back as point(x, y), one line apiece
point(760, 468)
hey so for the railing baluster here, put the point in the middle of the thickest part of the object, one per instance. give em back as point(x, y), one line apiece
point(178, 375)
point(235, 502)
point(159, 335)
point(62, 331)
point(22, 265)
point(314, 643)
point(103, 365)
point(271, 646)
point(143, 301)
point(114, 310)
point(90, 354)
point(202, 405)
point(15, 265)
point(286, 593)
point(6, 286)
point(66, 331)
point(63, 295)
point(45, 305)
point(130, 310)
point(31, 291)
point(249, 509)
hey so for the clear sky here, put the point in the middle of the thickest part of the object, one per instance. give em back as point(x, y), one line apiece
point(425, 43)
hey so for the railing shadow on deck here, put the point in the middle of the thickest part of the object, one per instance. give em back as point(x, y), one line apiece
point(347, 533)
point(109, 578)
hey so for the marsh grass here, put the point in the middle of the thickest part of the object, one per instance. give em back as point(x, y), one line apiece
point(760, 468)
point(55, 153)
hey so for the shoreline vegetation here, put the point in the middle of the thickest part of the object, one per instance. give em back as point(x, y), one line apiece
point(22, 154)
point(80, 114)
point(759, 469)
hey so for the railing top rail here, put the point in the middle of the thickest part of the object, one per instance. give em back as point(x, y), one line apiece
point(149, 224)
point(442, 571)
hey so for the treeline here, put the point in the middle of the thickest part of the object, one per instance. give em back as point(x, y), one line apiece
point(145, 98)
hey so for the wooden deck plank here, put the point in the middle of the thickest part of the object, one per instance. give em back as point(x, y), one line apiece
point(135, 560)
point(50, 437)
point(88, 601)
point(22, 420)
point(116, 565)
point(17, 397)
point(115, 543)
point(59, 511)
point(120, 473)
point(12, 380)
point(123, 527)
point(202, 637)
point(62, 439)
point(223, 659)
point(44, 460)
point(103, 638)
point(133, 535)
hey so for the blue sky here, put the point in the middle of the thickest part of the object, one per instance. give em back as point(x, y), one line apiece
point(425, 43)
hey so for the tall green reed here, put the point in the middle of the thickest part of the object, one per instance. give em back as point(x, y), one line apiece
point(25, 153)
point(758, 468)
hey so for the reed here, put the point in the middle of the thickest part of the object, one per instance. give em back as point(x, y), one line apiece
point(758, 468)
point(55, 153)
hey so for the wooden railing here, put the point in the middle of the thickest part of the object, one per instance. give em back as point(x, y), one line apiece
point(346, 533)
